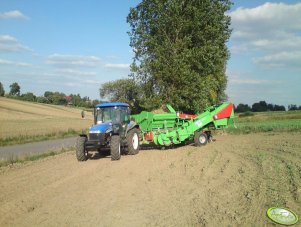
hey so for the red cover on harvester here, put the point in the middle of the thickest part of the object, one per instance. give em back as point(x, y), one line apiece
point(224, 113)
point(186, 116)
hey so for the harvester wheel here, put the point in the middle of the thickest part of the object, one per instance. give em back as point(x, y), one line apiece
point(200, 139)
point(81, 153)
point(115, 147)
point(132, 139)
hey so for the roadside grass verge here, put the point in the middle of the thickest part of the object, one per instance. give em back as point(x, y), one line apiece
point(289, 121)
point(30, 158)
point(22, 139)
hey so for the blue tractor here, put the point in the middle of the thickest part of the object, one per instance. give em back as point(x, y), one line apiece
point(112, 129)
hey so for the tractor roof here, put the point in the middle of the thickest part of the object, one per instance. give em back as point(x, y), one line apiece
point(112, 104)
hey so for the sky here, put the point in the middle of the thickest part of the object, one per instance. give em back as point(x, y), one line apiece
point(74, 46)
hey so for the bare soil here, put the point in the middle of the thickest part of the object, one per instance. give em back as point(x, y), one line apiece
point(229, 182)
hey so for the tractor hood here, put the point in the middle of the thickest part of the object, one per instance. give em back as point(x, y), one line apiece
point(101, 128)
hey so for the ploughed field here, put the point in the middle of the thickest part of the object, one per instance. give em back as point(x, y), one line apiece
point(229, 182)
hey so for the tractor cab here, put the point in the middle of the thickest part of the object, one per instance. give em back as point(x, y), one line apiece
point(111, 113)
point(110, 118)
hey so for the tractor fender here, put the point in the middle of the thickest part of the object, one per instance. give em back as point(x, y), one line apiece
point(132, 125)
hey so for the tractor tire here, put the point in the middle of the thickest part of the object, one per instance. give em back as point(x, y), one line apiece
point(115, 148)
point(132, 139)
point(81, 153)
point(200, 139)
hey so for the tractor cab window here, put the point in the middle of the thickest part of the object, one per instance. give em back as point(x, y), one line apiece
point(112, 114)
point(125, 114)
point(121, 115)
point(104, 115)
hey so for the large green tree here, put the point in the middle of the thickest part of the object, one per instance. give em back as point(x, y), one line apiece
point(180, 51)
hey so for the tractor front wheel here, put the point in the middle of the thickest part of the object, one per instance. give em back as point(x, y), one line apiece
point(115, 148)
point(81, 153)
point(200, 139)
point(132, 139)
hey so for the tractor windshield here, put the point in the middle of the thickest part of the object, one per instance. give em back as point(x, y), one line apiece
point(112, 114)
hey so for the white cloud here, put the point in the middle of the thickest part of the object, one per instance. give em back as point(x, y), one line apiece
point(11, 44)
point(281, 60)
point(15, 14)
point(7, 38)
point(118, 66)
point(248, 81)
point(72, 72)
point(14, 63)
point(272, 30)
point(268, 17)
point(73, 60)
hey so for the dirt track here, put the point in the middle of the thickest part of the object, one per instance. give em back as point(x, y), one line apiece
point(230, 182)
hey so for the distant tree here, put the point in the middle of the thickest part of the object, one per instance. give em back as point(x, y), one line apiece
point(76, 99)
point(270, 107)
point(292, 107)
point(14, 89)
point(48, 96)
point(122, 90)
point(58, 98)
point(29, 96)
point(2, 91)
point(260, 107)
point(242, 108)
point(41, 99)
point(279, 108)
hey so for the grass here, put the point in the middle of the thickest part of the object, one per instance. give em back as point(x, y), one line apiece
point(36, 138)
point(289, 121)
point(25, 122)
point(30, 158)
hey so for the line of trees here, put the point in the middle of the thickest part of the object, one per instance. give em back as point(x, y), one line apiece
point(262, 106)
point(49, 97)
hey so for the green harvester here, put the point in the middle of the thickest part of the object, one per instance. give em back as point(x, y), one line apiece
point(175, 128)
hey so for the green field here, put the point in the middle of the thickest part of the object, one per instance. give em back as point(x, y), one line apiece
point(284, 121)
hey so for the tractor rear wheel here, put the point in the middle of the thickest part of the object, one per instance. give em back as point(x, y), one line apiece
point(132, 139)
point(115, 147)
point(200, 139)
point(81, 153)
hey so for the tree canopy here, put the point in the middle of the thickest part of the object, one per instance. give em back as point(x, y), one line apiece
point(14, 89)
point(180, 52)
point(122, 90)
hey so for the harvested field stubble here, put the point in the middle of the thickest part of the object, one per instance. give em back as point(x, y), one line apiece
point(23, 121)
